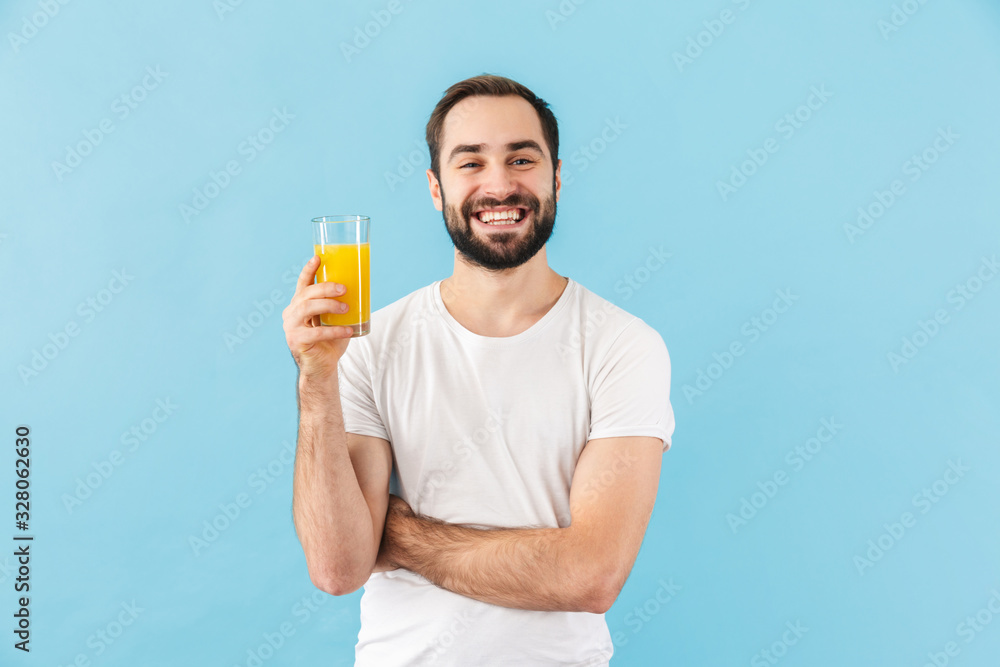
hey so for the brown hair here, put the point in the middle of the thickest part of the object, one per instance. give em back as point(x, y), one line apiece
point(488, 85)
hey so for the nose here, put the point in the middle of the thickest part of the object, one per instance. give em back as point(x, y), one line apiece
point(498, 182)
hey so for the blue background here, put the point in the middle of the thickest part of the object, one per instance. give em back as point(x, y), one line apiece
point(681, 128)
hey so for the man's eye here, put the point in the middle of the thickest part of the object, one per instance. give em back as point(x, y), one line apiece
point(469, 164)
point(524, 160)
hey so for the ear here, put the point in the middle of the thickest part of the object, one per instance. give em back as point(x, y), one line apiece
point(558, 178)
point(435, 188)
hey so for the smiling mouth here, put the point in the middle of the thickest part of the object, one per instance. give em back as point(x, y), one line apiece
point(501, 217)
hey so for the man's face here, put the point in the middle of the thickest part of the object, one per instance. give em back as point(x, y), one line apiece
point(495, 164)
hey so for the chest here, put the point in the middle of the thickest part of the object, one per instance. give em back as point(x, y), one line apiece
point(495, 425)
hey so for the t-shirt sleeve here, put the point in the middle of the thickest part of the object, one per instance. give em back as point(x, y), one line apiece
point(631, 391)
point(357, 397)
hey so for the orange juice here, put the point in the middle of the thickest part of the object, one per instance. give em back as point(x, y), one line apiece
point(348, 265)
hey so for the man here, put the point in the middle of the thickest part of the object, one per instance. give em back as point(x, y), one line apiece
point(524, 419)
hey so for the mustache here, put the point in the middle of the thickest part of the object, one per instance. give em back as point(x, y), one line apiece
point(520, 201)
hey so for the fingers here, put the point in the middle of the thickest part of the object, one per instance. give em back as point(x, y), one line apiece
point(320, 291)
point(312, 300)
point(308, 274)
point(305, 313)
point(310, 307)
point(310, 336)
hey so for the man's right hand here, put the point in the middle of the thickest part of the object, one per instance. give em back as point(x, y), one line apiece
point(315, 348)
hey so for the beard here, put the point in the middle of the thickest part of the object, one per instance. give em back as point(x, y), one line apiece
point(500, 250)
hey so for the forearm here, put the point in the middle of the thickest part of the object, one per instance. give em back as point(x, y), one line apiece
point(542, 569)
point(332, 518)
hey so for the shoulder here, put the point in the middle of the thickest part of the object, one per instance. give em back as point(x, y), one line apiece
point(605, 325)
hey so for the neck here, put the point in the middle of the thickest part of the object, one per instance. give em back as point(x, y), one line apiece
point(501, 303)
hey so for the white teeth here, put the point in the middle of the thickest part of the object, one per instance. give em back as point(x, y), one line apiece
point(501, 218)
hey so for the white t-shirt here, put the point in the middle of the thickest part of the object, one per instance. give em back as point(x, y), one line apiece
point(486, 432)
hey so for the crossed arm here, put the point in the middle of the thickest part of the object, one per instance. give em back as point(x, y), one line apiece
point(581, 567)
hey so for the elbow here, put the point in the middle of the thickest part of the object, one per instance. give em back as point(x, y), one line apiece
point(600, 601)
point(334, 582)
point(336, 571)
point(334, 586)
point(602, 590)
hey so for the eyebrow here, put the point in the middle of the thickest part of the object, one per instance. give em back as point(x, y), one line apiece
point(511, 147)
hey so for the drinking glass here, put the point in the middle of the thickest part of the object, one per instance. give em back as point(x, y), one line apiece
point(342, 244)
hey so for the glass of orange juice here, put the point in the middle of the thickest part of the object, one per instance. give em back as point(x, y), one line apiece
point(342, 244)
